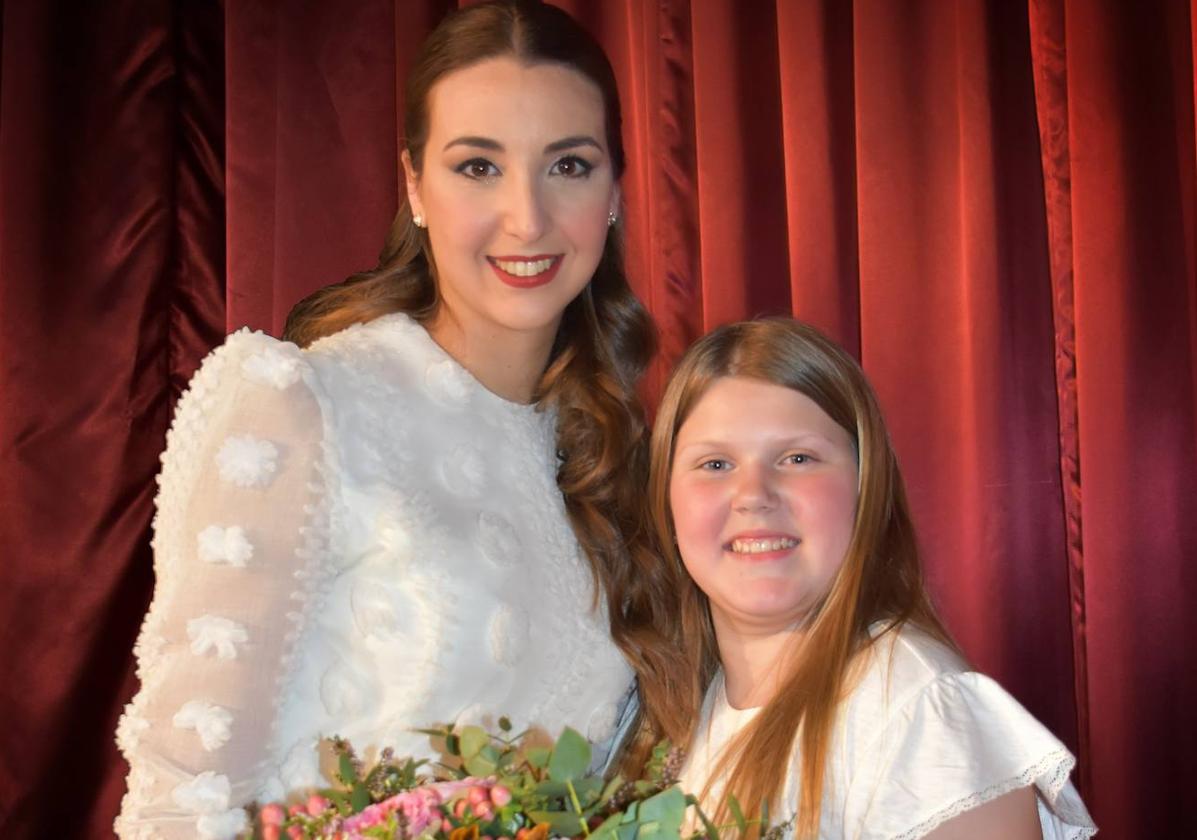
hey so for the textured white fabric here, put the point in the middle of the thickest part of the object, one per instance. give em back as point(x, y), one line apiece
point(356, 539)
point(919, 740)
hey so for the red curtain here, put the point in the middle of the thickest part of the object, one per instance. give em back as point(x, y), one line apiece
point(991, 203)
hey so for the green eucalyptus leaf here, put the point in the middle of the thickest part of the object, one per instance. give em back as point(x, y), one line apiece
point(473, 739)
point(552, 790)
point(359, 797)
point(538, 757)
point(476, 765)
point(570, 758)
point(588, 790)
point(608, 829)
point(733, 805)
point(561, 823)
point(611, 789)
point(345, 769)
point(665, 812)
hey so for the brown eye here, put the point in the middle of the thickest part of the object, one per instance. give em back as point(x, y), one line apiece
point(571, 167)
point(477, 169)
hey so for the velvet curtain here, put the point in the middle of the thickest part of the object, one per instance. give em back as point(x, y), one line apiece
point(991, 203)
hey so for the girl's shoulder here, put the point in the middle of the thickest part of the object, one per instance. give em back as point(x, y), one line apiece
point(902, 662)
point(923, 738)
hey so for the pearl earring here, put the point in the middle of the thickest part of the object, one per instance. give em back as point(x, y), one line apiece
point(612, 219)
point(418, 220)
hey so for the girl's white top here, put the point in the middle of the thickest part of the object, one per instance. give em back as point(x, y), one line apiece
point(920, 739)
point(356, 539)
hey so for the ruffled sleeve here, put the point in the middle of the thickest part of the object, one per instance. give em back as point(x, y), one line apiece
point(960, 742)
point(240, 541)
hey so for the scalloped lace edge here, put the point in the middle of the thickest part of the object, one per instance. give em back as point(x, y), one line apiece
point(1056, 765)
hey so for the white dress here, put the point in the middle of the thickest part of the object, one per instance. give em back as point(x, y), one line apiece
point(919, 740)
point(355, 539)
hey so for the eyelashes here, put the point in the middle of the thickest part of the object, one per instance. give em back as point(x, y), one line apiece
point(571, 167)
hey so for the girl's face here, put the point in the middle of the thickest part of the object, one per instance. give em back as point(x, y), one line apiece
point(763, 493)
point(515, 190)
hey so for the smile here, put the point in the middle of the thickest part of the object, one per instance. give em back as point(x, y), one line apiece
point(761, 546)
point(525, 272)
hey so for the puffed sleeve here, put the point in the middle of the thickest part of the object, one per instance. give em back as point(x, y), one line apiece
point(960, 742)
point(240, 541)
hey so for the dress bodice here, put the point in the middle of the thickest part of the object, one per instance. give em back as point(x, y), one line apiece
point(356, 539)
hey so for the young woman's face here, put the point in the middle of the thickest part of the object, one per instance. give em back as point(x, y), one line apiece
point(516, 188)
point(763, 493)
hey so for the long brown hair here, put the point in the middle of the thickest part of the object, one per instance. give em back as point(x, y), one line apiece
point(603, 344)
point(879, 580)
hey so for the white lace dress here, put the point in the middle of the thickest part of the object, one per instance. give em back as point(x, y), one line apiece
point(353, 540)
point(920, 739)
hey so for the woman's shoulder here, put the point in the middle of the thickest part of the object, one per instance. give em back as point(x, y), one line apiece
point(246, 359)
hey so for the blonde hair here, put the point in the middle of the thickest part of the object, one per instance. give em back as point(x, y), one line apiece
point(879, 580)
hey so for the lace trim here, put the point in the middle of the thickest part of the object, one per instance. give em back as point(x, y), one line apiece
point(1049, 774)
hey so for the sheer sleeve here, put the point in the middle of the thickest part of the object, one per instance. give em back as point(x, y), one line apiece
point(239, 536)
point(960, 742)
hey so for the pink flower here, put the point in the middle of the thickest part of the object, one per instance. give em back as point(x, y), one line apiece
point(500, 796)
point(273, 815)
point(477, 795)
point(484, 810)
point(295, 832)
point(317, 805)
point(271, 832)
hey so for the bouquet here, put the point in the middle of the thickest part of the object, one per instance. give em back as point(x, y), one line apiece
point(495, 787)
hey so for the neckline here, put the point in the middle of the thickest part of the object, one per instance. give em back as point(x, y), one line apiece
point(410, 325)
point(723, 706)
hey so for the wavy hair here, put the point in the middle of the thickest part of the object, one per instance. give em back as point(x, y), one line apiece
point(879, 580)
point(603, 344)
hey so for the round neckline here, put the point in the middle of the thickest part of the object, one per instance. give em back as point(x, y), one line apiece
point(410, 324)
point(723, 705)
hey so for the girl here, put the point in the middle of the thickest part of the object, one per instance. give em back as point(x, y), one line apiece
point(826, 685)
point(414, 513)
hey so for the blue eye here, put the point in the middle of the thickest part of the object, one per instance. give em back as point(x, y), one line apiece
point(797, 458)
point(714, 465)
point(477, 169)
point(572, 166)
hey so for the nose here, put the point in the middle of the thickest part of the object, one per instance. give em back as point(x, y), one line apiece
point(754, 490)
point(525, 215)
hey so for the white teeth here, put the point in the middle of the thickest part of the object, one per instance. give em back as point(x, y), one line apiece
point(761, 546)
point(525, 268)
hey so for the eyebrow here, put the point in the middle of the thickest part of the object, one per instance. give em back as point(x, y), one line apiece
point(783, 441)
point(495, 146)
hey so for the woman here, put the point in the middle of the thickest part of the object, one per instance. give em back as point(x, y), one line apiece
point(824, 684)
point(419, 517)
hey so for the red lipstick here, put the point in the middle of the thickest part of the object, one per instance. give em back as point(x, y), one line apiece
point(530, 281)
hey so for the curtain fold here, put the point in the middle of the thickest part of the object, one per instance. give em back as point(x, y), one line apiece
point(991, 204)
point(111, 273)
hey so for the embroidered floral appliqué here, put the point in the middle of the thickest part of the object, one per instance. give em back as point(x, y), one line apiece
point(247, 461)
point(464, 471)
point(211, 723)
point(225, 545)
point(508, 635)
point(272, 367)
point(214, 633)
point(207, 793)
point(498, 539)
